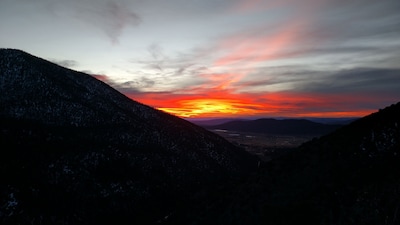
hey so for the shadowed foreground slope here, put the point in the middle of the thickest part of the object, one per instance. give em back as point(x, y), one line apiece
point(351, 176)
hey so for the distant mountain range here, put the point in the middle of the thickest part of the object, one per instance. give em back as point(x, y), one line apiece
point(279, 127)
point(213, 122)
point(218, 121)
point(76, 151)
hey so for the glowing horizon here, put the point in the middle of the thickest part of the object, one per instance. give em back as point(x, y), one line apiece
point(203, 114)
point(255, 105)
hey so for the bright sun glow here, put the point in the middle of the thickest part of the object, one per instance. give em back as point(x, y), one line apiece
point(211, 107)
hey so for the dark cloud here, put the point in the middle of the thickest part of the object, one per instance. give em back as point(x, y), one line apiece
point(65, 63)
point(112, 16)
point(87, 71)
point(142, 82)
point(147, 82)
point(357, 80)
point(361, 21)
point(157, 58)
point(139, 82)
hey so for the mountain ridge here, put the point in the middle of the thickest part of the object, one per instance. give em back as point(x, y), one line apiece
point(77, 151)
point(323, 120)
point(67, 85)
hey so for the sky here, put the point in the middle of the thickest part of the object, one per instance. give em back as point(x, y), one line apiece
point(222, 58)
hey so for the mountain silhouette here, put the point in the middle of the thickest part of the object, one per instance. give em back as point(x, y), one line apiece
point(76, 151)
point(275, 126)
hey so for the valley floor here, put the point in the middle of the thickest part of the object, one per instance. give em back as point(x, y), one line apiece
point(265, 146)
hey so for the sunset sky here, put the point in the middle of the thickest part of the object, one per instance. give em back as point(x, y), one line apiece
point(222, 58)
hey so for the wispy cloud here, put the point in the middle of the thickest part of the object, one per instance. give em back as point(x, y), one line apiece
point(112, 16)
point(65, 63)
point(356, 80)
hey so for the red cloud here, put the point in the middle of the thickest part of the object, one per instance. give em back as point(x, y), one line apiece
point(252, 50)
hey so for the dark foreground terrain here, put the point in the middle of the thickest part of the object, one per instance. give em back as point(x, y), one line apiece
point(351, 176)
point(75, 151)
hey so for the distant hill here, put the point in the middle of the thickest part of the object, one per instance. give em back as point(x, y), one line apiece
point(281, 127)
point(338, 121)
point(350, 176)
point(214, 122)
point(76, 151)
point(219, 121)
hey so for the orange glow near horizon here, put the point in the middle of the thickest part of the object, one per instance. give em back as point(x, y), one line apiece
point(254, 105)
point(211, 107)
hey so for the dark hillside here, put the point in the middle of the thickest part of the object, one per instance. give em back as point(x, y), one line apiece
point(351, 176)
point(76, 151)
